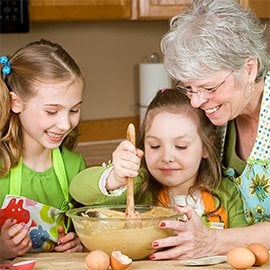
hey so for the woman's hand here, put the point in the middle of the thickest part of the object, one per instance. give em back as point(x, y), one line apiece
point(14, 239)
point(68, 242)
point(126, 163)
point(192, 238)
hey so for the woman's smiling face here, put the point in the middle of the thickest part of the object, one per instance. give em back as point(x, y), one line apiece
point(224, 95)
point(226, 103)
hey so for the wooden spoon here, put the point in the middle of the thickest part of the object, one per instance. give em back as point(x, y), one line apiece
point(130, 212)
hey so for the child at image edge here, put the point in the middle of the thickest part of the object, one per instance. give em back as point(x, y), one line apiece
point(41, 90)
point(180, 166)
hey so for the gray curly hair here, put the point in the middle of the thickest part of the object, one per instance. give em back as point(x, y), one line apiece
point(213, 35)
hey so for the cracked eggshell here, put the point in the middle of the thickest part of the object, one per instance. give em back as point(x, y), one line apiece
point(119, 261)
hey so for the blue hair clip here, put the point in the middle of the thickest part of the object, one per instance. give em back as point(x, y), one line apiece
point(6, 69)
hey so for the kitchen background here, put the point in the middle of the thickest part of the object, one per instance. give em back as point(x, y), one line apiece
point(109, 53)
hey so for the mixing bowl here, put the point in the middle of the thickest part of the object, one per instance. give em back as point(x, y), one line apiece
point(107, 228)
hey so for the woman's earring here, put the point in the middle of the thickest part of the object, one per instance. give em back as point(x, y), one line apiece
point(250, 87)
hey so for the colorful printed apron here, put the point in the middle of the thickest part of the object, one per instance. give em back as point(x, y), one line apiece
point(254, 182)
point(42, 220)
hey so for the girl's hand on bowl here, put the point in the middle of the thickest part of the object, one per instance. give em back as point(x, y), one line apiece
point(68, 242)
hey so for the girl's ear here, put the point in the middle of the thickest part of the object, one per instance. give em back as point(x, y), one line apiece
point(16, 103)
point(205, 153)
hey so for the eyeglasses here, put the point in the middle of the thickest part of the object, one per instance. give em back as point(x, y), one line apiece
point(204, 92)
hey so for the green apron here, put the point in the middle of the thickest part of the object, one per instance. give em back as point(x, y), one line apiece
point(42, 220)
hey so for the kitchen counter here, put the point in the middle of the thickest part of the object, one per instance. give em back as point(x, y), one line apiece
point(75, 261)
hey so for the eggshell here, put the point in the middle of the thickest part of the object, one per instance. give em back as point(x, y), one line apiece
point(97, 260)
point(261, 253)
point(119, 261)
point(240, 258)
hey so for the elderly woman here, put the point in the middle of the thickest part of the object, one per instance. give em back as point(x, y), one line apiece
point(217, 52)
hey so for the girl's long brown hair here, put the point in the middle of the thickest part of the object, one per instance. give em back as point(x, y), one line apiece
point(174, 101)
point(38, 62)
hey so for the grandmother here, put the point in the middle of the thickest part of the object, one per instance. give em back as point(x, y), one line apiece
point(217, 52)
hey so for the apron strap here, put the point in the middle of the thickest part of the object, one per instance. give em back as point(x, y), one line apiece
point(15, 179)
point(209, 204)
point(163, 198)
point(60, 171)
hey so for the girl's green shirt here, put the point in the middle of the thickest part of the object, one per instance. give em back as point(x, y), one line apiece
point(44, 187)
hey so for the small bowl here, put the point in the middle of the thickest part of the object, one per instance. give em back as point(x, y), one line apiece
point(98, 228)
point(25, 265)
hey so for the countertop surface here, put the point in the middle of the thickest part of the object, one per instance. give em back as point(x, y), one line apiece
point(76, 261)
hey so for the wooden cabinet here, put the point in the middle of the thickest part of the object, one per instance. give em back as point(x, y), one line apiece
point(165, 9)
point(85, 10)
point(157, 9)
point(260, 7)
point(79, 10)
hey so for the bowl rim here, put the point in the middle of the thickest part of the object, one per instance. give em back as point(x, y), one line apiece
point(70, 213)
point(21, 263)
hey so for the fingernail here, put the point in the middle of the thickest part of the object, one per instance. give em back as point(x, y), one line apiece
point(155, 244)
point(152, 257)
point(59, 243)
point(162, 224)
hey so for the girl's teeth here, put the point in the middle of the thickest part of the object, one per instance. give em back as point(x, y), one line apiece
point(53, 135)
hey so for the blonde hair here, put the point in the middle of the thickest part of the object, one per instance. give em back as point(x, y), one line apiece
point(38, 62)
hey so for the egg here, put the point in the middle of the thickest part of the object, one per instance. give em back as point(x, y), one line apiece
point(240, 258)
point(97, 260)
point(261, 253)
point(119, 261)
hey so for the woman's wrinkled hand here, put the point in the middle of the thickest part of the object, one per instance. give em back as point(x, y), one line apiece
point(14, 239)
point(192, 239)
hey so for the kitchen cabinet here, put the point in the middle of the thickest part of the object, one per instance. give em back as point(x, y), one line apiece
point(260, 7)
point(86, 10)
point(79, 10)
point(157, 9)
point(165, 9)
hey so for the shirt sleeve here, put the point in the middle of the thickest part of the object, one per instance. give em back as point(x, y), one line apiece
point(103, 182)
point(85, 188)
